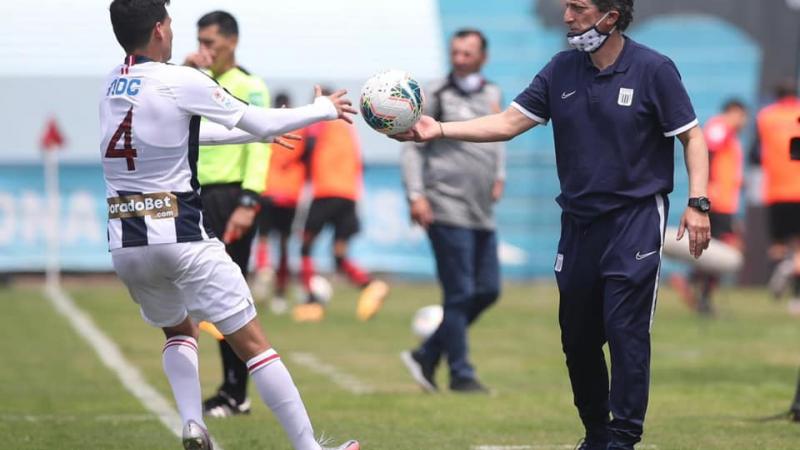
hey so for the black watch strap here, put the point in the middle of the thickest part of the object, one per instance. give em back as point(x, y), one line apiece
point(249, 199)
point(702, 204)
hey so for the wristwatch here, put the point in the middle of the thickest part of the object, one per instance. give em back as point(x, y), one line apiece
point(702, 204)
point(249, 200)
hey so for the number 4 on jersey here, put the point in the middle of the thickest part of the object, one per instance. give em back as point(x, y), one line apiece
point(124, 132)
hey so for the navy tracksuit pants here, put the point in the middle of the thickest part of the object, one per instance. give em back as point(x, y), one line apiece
point(607, 273)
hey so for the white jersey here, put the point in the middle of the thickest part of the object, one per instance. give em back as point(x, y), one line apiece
point(150, 122)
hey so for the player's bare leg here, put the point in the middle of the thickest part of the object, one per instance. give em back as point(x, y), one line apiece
point(312, 310)
point(794, 302)
point(262, 279)
point(275, 385)
point(279, 304)
point(373, 292)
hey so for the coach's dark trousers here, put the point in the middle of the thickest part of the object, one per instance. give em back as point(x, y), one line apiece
point(469, 273)
point(607, 273)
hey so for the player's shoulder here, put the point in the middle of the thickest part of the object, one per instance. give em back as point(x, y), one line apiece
point(173, 74)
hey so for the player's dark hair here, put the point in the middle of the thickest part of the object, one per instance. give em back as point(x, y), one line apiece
point(282, 99)
point(133, 21)
point(786, 88)
point(733, 103)
point(464, 32)
point(227, 23)
point(624, 7)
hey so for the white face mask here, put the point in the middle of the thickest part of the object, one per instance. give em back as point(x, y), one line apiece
point(470, 84)
point(589, 40)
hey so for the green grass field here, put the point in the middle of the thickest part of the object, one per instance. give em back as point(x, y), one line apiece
point(711, 378)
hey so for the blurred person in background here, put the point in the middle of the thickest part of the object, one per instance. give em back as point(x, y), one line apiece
point(285, 182)
point(161, 247)
point(333, 158)
point(726, 162)
point(616, 108)
point(451, 187)
point(778, 126)
point(232, 179)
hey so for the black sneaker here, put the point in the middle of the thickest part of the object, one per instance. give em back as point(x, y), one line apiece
point(223, 405)
point(421, 372)
point(468, 386)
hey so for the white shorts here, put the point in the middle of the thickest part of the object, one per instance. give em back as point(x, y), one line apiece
point(171, 281)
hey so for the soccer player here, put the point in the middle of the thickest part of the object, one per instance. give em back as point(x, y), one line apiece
point(724, 189)
point(616, 107)
point(231, 177)
point(778, 127)
point(285, 182)
point(451, 188)
point(173, 266)
point(334, 164)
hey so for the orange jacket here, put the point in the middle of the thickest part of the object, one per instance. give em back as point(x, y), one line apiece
point(336, 167)
point(287, 173)
point(777, 125)
point(725, 174)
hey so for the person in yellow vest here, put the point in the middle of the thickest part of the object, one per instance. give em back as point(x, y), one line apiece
point(232, 178)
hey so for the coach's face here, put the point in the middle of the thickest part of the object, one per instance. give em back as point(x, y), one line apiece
point(219, 47)
point(580, 15)
point(466, 55)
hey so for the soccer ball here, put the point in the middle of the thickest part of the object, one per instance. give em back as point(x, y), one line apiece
point(391, 102)
point(426, 321)
point(320, 287)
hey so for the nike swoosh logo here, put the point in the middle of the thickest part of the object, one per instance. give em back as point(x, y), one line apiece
point(566, 95)
point(641, 256)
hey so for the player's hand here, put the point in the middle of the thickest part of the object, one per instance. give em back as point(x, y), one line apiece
point(343, 105)
point(240, 221)
point(201, 59)
point(421, 212)
point(497, 190)
point(285, 140)
point(699, 228)
point(426, 129)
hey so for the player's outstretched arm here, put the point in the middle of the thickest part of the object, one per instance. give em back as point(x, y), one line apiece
point(215, 134)
point(277, 121)
point(502, 126)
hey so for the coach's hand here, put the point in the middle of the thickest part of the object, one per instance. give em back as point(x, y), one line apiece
point(421, 212)
point(240, 221)
point(426, 129)
point(343, 105)
point(699, 228)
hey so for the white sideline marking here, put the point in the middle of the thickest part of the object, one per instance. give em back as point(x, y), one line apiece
point(112, 357)
point(542, 447)
point(113, 418)
point(341, 379)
